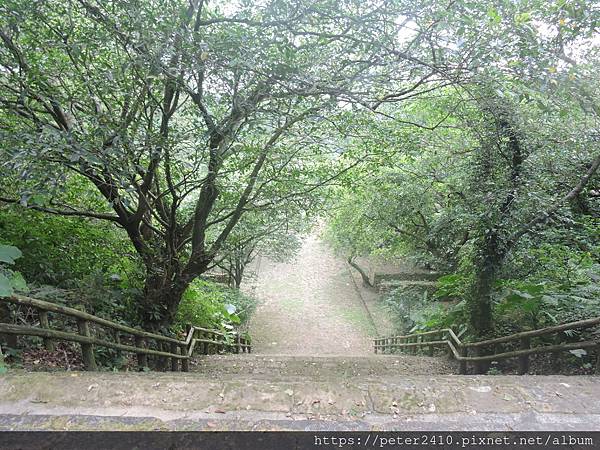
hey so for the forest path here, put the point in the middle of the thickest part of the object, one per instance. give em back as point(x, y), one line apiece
point(309, 306)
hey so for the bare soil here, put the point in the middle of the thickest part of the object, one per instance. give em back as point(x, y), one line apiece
point(310, 306)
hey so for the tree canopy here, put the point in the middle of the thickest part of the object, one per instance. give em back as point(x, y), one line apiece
point(454, 131)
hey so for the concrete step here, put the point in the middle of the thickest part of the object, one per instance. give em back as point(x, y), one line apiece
point(320, 367)
point(141, 401)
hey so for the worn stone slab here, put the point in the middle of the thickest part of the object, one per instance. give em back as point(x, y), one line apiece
point(482, 422)
point(193, 401)
point(321, 367)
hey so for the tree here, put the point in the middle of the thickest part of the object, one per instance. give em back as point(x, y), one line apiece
point(183, 117)
point(464, 195)
point(542, 65)
point(276, 235)
point(504, 180)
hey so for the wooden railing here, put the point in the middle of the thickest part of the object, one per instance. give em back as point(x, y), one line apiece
point(179, 352)
point(488, 350)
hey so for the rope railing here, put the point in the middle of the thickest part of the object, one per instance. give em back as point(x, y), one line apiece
point(487, 350)
point(198, 339)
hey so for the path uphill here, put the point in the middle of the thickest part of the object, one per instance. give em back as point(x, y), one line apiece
point(309, 306)
point(312, 368)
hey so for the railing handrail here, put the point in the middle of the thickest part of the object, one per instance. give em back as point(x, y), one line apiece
point(587, 323)
point(459, 350)
point(72, 312)
point(66, 336)
point(179, 349)
point(538, 332)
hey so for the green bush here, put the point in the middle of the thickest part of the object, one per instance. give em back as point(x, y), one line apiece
point(10, 280)
point(212, 305)
point(414, 310)
point(60, 250)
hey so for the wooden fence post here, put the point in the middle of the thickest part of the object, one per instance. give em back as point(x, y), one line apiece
point(48, 343)
point(118, 341)
point(237, 342)
point(598, 360)
point(462, 365)
point(87, 350)
point(142, 358)
point(185, 363)
point(6, 317)
point(174, 361)
point(524, 359)
point(481, 367)
point(162, 362)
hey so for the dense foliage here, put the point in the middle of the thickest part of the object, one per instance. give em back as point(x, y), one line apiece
point(144, 144)
point(496, 203)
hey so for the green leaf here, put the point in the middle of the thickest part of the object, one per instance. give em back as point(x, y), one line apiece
point(8, 254)
point(5, 286)
point(578, 352)
point(494, 16)
point(522, 18)
point(18, 282)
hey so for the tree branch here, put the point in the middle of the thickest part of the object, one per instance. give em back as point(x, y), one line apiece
point(545, 215)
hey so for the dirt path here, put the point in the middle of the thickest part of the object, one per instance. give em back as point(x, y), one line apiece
point(309, 306)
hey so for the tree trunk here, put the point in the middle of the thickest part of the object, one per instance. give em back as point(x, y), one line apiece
point(480, 298)
point(238, 274)
point(160, 301)
point(480, 302)
point(363, 274)
point(238, 279)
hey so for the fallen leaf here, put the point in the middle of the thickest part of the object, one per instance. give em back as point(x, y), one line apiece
point(219, 411)
point(211, 424)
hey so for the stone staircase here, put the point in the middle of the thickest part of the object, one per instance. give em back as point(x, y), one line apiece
point(278, 392)
point(327, 367)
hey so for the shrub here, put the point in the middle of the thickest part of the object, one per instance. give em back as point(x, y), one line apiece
point(212, 305)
